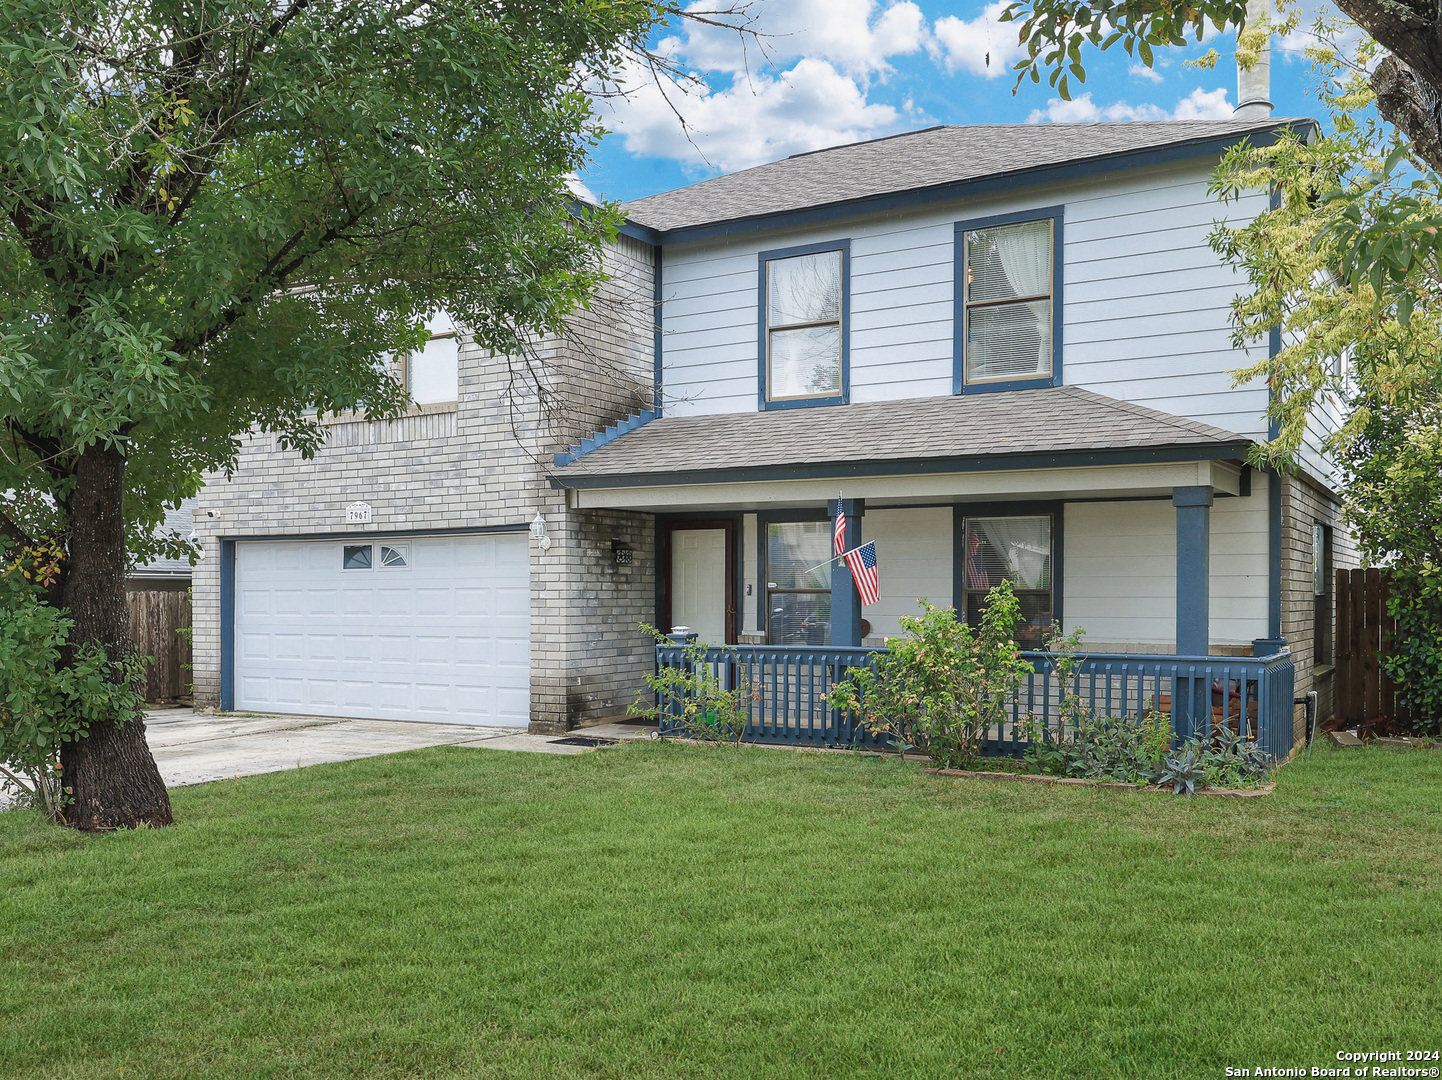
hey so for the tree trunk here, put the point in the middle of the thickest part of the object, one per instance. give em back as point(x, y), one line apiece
point(111, 774)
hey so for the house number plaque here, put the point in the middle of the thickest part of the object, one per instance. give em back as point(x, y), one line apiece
point(358, 513)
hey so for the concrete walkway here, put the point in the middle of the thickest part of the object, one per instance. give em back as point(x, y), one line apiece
point(193, 748)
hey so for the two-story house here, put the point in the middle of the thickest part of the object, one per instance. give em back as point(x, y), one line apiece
point(1002, 351)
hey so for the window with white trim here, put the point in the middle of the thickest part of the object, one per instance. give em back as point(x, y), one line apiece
point(1007, 306)
point(804, 326)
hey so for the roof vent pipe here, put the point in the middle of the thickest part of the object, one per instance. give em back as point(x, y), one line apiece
point(1254, 86)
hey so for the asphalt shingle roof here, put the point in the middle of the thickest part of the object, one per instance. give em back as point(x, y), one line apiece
point(181, 522)
point(966, 428)
point(918, 160)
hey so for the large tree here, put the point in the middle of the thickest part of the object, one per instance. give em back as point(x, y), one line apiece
point(218, 214)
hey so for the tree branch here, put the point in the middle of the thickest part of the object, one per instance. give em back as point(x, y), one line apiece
point(14, 531)
point(1412, 106)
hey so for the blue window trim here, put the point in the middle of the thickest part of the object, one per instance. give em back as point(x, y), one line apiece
point(959, 384)
point(762, 258)
point(961, 511)
point(659, 335)
point(772, 517)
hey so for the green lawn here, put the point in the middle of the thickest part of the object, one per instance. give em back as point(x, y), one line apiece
point(666, 911)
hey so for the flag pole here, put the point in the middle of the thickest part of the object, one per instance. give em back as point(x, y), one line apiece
point(834, 558)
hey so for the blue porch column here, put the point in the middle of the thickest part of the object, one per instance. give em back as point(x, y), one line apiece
point(845, 600)
point(1194, 521)
point(1192, 704)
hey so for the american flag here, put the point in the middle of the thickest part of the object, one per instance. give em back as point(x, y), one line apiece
point(838, 534)
point(863, 571)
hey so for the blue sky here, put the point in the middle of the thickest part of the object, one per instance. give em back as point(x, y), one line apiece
point(839, 71)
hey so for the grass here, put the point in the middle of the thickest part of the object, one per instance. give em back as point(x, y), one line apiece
point(667, 911)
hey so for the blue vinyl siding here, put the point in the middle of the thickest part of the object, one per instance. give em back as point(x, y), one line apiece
point(1145, 303)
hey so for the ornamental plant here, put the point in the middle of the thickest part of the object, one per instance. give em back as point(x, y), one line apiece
point(942, 685)
point(1393, 493)
point(689, 699)
point(1130, 749)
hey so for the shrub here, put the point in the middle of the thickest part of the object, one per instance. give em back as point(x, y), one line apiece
point(1412, 652)
point(942, 685)
point(44, 703)
point(697, 706)
point(1129, 749)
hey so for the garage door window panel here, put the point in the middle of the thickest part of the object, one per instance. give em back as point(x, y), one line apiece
point(356, 557)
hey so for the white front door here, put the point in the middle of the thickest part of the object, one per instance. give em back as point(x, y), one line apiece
point(408, 628)
point(698, 583)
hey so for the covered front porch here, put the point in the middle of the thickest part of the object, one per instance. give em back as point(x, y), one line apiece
point(1143, 529)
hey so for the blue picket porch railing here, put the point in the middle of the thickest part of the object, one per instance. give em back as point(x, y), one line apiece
point(787, 687)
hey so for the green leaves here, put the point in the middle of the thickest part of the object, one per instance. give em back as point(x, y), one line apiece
point(943, 685)
point(199, 242)
point(43, 702)
point(1387, 240)
point(1055, 31)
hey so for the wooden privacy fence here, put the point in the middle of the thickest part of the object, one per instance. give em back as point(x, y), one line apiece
point(1365, 694)
point(155, 617)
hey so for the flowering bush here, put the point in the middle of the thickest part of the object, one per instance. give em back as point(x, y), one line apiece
point(942, 685)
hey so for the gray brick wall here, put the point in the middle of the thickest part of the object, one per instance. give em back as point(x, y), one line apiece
point(1303, 503)
point(481, 463)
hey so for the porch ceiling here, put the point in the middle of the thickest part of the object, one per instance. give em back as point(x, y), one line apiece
point(1056, 442)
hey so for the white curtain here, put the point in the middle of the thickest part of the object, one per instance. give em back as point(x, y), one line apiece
point(1025, 252)
point(1026, 543)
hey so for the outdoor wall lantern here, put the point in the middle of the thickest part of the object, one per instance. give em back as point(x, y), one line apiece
point(538, 532)
point(621, 553)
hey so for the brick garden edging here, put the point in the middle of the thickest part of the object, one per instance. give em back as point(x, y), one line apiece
point(1074, 781)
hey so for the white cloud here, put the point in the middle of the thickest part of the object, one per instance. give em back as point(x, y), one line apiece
point(1198, 105)
point(1141, 71)
point(1204, 105)
point(983, 46)
point(849, 34)
point(803, 87)
point(756, 119)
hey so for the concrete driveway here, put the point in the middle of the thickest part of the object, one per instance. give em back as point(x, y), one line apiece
point(193, 748)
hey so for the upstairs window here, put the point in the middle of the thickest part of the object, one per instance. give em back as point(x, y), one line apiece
point(803, 327)
point(1007, 317)
point(433, 374)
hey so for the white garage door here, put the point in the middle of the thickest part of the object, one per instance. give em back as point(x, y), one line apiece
point(422, 628)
